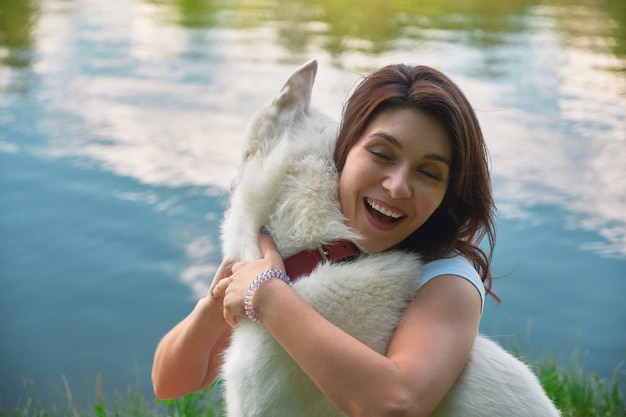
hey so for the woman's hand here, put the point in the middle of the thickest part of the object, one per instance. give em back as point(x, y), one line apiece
point(189, 357)
point(224, 271)
point(233, 288)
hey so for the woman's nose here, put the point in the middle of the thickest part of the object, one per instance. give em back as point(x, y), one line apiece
point(396, 183)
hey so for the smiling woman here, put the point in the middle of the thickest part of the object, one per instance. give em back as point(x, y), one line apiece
point(433, 134)
point(412, 128)
point(121, 123)
point(394, 177)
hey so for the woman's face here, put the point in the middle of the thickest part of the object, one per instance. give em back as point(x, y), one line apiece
point(394, 177)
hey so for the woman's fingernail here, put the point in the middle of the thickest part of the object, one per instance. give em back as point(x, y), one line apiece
point(264, 230)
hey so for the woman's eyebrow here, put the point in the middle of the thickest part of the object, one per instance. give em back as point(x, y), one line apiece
point(392, 140)
point(395, 142)
point(438, 158)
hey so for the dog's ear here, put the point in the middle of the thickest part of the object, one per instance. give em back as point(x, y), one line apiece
point(296, 93)
point(271, 121)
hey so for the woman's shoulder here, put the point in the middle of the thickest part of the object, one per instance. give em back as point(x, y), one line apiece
point(454, 264)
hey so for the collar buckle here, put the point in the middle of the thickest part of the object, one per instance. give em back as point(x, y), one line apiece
point(323, 252)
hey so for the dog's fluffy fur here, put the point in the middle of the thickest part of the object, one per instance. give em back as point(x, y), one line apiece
point(287, 182)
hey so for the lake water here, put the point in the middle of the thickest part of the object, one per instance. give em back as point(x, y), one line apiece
point(121, 123)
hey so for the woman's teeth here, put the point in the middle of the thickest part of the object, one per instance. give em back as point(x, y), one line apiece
point(382, 210)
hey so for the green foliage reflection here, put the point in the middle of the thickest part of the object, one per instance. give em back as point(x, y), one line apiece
point(616, 9)
point(17, 22)
point(374, 26)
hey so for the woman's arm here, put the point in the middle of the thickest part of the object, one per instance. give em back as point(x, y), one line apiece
point(188, 358)
point(426, 355)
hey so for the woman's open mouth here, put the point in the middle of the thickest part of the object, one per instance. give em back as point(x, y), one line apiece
point(381, 214)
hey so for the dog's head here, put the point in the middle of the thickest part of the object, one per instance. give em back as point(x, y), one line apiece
point(286, 179)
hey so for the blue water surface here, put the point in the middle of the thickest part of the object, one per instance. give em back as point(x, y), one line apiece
point(120, 127)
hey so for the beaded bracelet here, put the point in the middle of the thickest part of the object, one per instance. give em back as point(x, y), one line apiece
point(267, 275)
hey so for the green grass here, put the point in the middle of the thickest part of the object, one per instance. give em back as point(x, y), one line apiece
point(132, 403)
point(579, 394)
point(575, 392)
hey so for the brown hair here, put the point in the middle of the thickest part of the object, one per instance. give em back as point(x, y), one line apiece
point(466, 214)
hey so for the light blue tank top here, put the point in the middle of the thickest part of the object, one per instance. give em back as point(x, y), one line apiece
point(455, 265)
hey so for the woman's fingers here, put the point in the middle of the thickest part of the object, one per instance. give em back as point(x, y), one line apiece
point(223, 271)
point(230, 319)
point(236, 277)
point(233, 306)
point(219, 289)
point(269, 251)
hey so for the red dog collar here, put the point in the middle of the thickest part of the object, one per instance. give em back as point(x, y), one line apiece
point(303, 263)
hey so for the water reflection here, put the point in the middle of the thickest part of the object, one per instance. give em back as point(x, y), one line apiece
point(372, 27)
point(165, 96)
point(193, 13)
point(154, 96)
point(17, 24)
point(376, 26)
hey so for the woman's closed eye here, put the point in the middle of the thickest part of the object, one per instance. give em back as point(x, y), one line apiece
point(381, 155)
point(430, 174)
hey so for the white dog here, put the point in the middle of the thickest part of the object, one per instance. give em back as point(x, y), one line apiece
point(287, 182)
